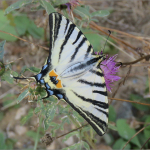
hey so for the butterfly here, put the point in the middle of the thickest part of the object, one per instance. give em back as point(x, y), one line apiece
point(72, 73)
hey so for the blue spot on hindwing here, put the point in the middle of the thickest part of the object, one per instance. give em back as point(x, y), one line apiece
point(47, 86)
point(59, 96)
point(38, 76)
point(44, 67)
point(42, 81)
point(50, 92)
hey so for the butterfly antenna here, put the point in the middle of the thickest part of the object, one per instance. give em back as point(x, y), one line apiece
point(19, 78)
point(106, 40)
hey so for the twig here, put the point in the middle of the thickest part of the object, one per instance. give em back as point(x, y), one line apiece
point(86, 136)
point(121, 83)
point(124, 100)
point(127, 34)
point(133, 62)
point(145, 143)
point(135, 135)
point(13, 61)
point(72, 131)
point(96, 27)
point(46, 48)
point(127, 74)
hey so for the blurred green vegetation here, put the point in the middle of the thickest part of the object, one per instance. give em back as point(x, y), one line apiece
point(19, 24)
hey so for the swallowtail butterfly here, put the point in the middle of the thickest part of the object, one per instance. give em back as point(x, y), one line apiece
point(72, 72)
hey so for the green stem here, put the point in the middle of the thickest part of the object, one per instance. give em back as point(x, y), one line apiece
point(37, 135)
point(86, 136)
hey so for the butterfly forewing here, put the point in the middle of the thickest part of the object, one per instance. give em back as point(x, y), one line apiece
point(72, 60)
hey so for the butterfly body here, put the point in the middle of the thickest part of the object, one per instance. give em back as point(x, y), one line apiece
point(72, 73)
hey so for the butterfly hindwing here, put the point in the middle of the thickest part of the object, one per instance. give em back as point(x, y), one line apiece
point(88, 96)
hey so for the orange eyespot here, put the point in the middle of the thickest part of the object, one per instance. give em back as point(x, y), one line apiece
point(59, 85)
point(53, 74)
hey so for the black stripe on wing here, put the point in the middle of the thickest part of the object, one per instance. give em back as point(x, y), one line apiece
point(51, 35)
point(96, 124)
point(102, 124)
point(83, 114)
point(58, 19)
point(66, 25)
point(70, 30)
point(94, 102)
point(97, 72)
point(92, 83)
point(100, 92)
point(77, 48)
point(102, 112)
point(88, 51)
point(78, 36)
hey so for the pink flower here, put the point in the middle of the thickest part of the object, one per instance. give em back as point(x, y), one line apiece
point(72, 4)
point(109, 69)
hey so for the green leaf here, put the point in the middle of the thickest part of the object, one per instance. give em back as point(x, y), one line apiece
point(78, 117)
point(35, 31)
point(2, 50)
point(126, 132)
point(8, 77)
point(17, 5)
point(60, 2)
point(55, 127)
point(37, 8)
point(15, 74)
point(49, 8)
point(34, 69)
point(100, 13)
point(49, 116)
point(2, 141)
point(64, 120)
point(113, 127)
point(22, 25)
point(22, 96)
point(83, 12)
point(86, 146)
point(85, 129)
point(2, 69)
point(119, 144)
point(136, 97)
point(147, 129)
point(112, 114)
point(37, 110)
point(27, 117)
point(33, 135)
point(94, 38)
point(76, 133)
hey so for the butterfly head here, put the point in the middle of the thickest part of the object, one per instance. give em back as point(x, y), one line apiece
point(103, 56)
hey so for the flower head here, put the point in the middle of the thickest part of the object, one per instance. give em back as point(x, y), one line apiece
point(71, 4)
point(109, 69)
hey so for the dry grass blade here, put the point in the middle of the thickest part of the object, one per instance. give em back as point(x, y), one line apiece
point(46, 48)
point(124, 100)
point(127, 34)
point(145, 143)
point(133, 62)
point(96, 27)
